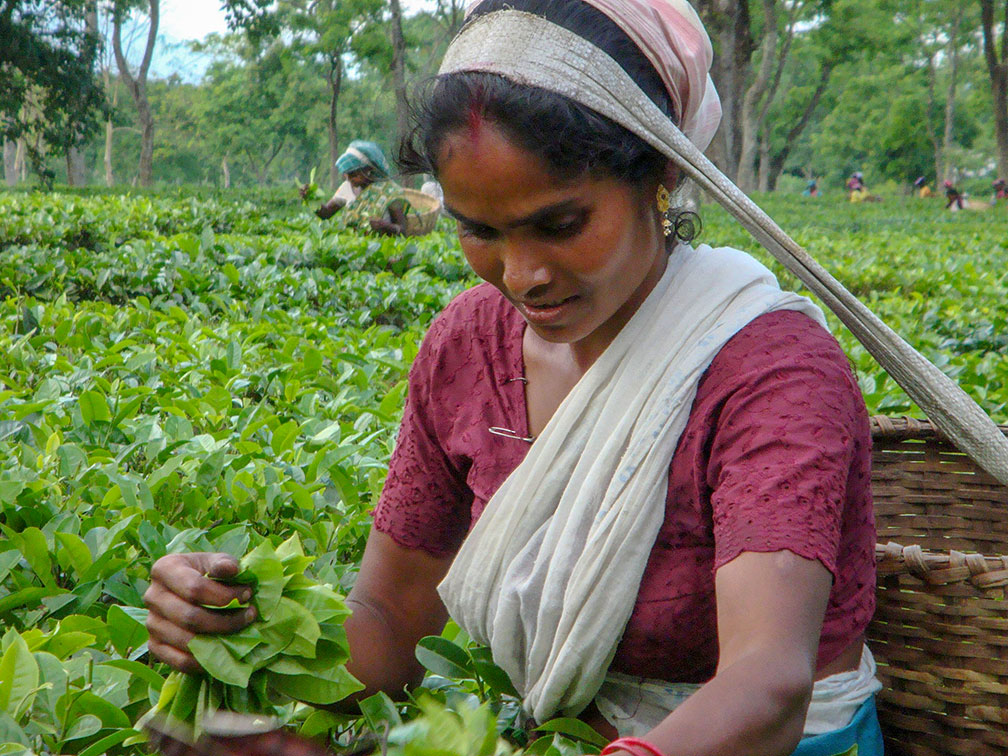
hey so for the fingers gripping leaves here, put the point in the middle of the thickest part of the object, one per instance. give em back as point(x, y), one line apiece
point(296, 650)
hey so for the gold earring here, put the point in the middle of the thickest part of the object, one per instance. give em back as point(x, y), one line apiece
point(664, 203)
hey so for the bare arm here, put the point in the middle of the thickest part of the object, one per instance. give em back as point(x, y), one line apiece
point(329, 209)
point(770, 608)
point(395, 603)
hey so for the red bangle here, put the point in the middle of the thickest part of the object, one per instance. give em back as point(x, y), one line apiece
point(634, 746)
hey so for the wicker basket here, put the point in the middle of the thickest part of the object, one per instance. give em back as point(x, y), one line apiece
point(940, 631)
point(423, 214)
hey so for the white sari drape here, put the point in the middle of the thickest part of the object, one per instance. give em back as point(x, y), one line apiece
point(550, 572)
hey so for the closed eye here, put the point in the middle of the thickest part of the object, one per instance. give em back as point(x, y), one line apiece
point(563, 228)
point(477, 230)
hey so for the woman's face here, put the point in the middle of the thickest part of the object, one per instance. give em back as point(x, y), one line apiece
point(359, 179)
point(576, 257)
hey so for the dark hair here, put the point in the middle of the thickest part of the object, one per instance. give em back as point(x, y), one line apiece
point(587, 143)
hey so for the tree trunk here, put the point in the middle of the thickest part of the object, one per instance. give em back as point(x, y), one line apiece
point(929, 119)
point(950, 96)
point(451, 14)
point(138, 87)
point(109, 177)
point(399, 69)
point(10, 162)
point(76, 169)
point(146, 119)
point(779, 159)
point(226, 171)
point(335, 79)
point(21, 161)
point(456, 15)
point(727, 21)
point(753, 96)
point(112, 92)
point(998, 70)
point(763, 182)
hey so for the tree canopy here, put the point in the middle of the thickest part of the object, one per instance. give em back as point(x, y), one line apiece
point(49, 94)
point(812, 88)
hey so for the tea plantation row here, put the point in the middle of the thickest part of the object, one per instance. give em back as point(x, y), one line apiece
point(192, 373)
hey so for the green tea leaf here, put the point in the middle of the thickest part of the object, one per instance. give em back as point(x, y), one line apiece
point(84, 726)
point(263, 562)
point(573, 728)
point(35, 550)
point(218, 661)
point(442, 657)
point(380, 712)
point(19, 674)
point(125, 632)
point(136, 669)
point(283, 437)
point(316, 690)
point(74, 553)
point(94, 408)
point(109, 742)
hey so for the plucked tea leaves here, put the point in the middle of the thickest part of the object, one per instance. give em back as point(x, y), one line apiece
point(295, 650)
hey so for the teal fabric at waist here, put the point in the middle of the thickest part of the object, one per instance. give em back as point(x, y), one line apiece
point(862, 737)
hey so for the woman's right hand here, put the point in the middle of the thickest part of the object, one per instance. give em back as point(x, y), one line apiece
point(181, 588)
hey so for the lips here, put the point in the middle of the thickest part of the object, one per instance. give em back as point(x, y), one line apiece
point(546, 313)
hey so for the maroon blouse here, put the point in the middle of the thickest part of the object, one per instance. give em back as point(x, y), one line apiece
point(775, 455)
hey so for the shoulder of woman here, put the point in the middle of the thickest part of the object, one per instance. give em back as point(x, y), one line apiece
point(479, 313)
point(776, 345)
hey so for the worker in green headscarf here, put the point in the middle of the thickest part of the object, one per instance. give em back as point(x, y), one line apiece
point(368, 200)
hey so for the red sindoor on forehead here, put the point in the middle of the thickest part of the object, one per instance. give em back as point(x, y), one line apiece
point(476, 117)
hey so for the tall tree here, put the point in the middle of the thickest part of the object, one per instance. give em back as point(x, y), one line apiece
point(50, 99)
point(106, 67)
point(451, 14)
point(950, 96)
point(137, 83)
point(254, 103)
point(329, 31)
point(10, 161)
point(756, 93)
point(728, 23)
point(996, 55)
point(839, 33)
point(398, 67)
point(764, 129)
point(76, 169)
point(940, 38)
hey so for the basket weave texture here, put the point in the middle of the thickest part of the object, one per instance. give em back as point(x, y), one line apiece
point(940, 631)
point(423, 214)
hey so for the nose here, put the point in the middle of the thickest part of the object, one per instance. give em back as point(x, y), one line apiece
point(525, 272)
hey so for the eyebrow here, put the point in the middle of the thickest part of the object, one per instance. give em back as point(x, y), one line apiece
point(539, 216)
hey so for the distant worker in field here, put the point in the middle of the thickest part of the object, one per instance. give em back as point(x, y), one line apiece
point(858, 192)
point(1000, 187)
point(811, 189)
point(432, 188)
point(368, 200)
point(922, 189)
point(953, 197)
